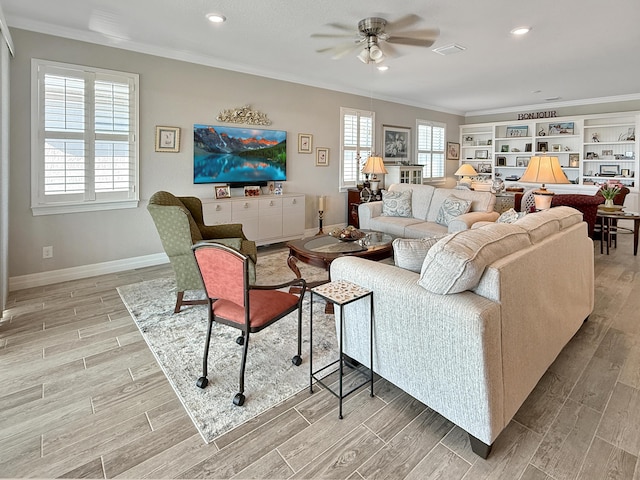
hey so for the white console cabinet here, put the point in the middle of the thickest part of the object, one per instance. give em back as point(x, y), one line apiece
point(265, 219)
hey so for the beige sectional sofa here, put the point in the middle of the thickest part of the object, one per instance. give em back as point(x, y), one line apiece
point(426, 202)
point(472, 333)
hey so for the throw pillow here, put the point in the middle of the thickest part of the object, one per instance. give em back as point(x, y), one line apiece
point(457, 262)
point(396, 204)
point(510, 216)
point(409, 253)
point(451, 208)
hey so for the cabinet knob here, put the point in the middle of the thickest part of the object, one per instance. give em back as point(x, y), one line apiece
point(271, 203)
point(294, 201)
point(218, 208)
point(246, 204)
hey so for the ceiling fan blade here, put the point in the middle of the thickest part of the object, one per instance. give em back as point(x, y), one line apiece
point(340, 51)
point(334, 35)
point(402, 22)
point(418, 38)
point(340, 26)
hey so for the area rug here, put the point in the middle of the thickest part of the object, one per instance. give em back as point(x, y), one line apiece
point(177, 341)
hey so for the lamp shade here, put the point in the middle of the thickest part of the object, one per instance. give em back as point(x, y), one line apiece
point(544, 170)
point(466, 170)
point(374, 166)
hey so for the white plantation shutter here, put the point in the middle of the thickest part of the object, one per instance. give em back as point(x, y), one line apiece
point(85, 153)
point(357, 138)
point(430, 146)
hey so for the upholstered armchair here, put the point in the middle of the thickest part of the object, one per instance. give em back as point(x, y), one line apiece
point(587, 204)
point(180, 224)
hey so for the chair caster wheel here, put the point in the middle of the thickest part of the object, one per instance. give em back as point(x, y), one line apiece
point(240, 340)
point(297, 361)
point(238, 400)
point(202, 382)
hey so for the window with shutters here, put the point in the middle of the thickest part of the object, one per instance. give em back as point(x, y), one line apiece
point(356, 140)
point(84, 139)
point(430, 150)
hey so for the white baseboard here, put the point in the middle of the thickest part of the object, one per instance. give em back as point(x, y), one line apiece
point(85, 271)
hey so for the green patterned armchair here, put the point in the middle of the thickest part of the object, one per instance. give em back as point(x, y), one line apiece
point(180, 225)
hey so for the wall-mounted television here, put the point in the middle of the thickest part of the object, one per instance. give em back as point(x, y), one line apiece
point(238, 156)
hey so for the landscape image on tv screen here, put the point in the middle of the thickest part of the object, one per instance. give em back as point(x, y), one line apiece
point(240, 156)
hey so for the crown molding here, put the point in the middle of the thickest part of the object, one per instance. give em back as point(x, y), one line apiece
point(550, 105)
point(6, 34)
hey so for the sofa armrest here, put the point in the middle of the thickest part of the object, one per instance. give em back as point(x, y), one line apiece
point(366, 211)
point(465, 221)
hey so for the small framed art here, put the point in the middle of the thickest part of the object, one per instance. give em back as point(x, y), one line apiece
point(520, 131)
point(481, 154)
point(574, 160)
point(222, 191)
point(167, 139)
point(322, 157)
point(251, 191)
point(453, 151)
point(305, 143)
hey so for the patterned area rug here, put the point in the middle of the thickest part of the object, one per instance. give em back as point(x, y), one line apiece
point(177, 341)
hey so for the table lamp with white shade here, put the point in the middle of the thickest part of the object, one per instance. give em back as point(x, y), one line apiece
point(466, 171)
point(544, 170)
point(373, 167)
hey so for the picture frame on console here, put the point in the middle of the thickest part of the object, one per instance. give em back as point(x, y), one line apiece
point(222, 191)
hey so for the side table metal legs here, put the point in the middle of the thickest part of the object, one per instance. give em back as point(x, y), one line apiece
point(314, 375)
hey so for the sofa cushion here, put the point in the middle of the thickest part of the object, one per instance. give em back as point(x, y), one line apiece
point(425, 230)
point(451, 208)
point(456, 262)
point(396, 204)
point(539, 225)
point(480, 201)
point(409, 253)
point(393, 225)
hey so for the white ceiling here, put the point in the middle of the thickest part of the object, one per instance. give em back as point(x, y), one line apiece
point(578, 50)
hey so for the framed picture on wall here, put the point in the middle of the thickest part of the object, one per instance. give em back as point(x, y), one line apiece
point(453, 151)
point(305, 141)
point(396, 143)
point(167, 139)
point(322, 157)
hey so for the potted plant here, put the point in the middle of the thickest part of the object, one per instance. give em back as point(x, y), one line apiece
point(609, 192)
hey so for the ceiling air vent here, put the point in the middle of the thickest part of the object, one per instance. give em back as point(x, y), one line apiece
point(449, 49)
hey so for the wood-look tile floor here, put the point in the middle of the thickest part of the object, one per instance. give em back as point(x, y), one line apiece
point(82, 396)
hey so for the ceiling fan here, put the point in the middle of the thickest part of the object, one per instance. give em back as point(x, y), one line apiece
point(371, 31)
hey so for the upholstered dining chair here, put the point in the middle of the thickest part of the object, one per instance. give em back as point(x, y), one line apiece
point(234, 301)
point(180, 224)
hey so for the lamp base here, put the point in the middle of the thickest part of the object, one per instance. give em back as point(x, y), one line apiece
point(374, 185)
point(543, 198)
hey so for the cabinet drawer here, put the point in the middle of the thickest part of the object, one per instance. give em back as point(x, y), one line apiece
point(245, 209)
point(271, 206)
point(293, 202)
point(215, 213)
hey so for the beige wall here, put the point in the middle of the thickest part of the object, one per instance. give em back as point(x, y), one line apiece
point(177, 94)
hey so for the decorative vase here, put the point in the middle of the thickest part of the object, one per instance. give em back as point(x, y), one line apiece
point(608, 203)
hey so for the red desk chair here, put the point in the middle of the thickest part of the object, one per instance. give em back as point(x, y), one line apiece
point(234, 302)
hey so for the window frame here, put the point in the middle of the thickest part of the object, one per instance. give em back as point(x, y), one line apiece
point(428, 177)
point(345, 185)
point(89, 199)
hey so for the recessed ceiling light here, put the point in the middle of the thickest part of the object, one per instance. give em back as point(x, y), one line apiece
point(520, 30)
point(382, 68)
point(216, 18)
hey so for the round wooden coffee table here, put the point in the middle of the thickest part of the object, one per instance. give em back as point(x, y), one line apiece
point(321, 250)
